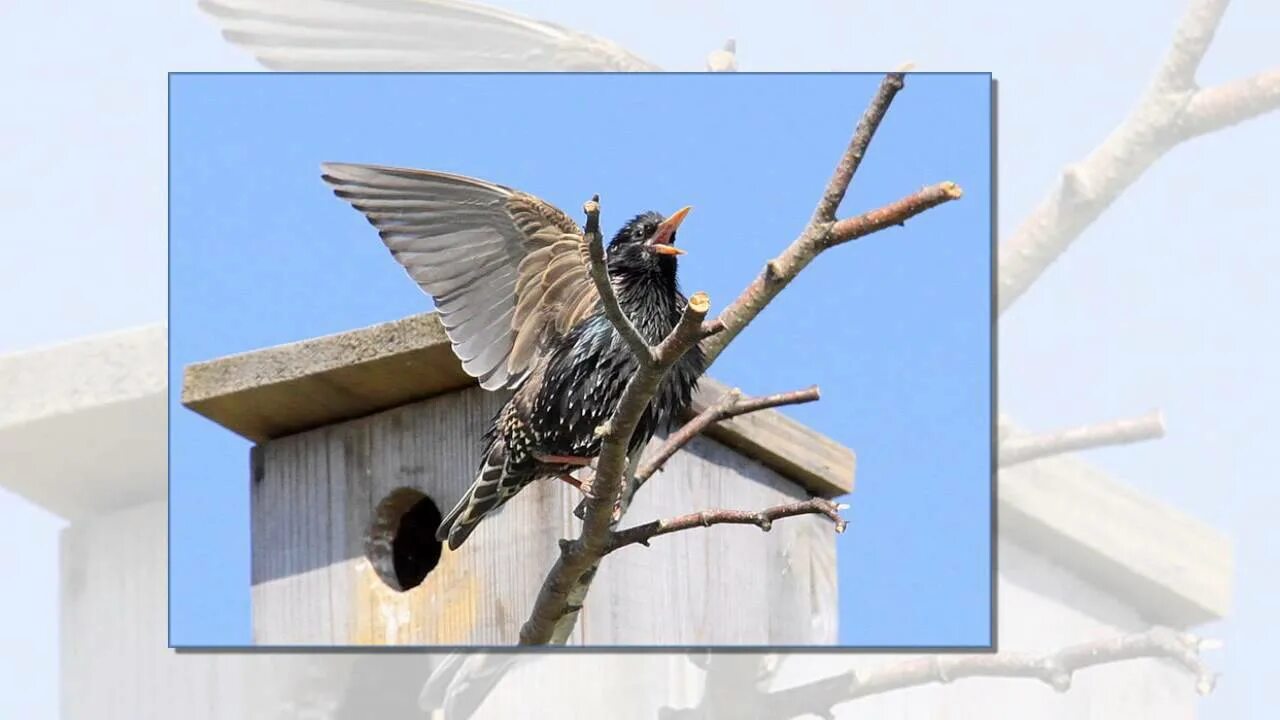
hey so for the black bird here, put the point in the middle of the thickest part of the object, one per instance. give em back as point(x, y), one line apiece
point(510, 276)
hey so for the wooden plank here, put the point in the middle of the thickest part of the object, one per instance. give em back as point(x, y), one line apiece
point(316, 581)
point(115, 661)
point(291, 388)
point(822, 465)
point(99, 407)
point(1172, 568)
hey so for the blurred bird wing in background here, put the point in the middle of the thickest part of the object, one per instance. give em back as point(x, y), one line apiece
point(507, 271)
point(428, 35)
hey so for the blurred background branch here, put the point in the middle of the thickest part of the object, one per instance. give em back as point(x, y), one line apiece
point(818, 698)
point(1172, 111)
point(1023, 448)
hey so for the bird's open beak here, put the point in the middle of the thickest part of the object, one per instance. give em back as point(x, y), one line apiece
point(661, 241)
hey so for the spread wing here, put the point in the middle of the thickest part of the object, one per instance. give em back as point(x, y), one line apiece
point(508, 272)
point(410, 35)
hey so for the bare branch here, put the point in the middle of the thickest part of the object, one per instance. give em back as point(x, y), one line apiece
point(1171, 112)
point(1055, 669)
point(562, 593)
point(1190, 43)
point(762, 519)
point(604, 286)
point(823, 231)
point(1019, 449)
point(1231, 103)
point(686, 333)
point(730, 405)
point(895, 213)
point(833, 195)
point(556, 607)
point(711, 327)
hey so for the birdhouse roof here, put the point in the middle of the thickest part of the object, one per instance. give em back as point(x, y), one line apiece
point(282, 390)
point(83, 424)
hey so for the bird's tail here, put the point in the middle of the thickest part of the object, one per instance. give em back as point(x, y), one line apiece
point(492, 487)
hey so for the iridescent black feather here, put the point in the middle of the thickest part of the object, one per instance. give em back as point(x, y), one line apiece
point(577, 384)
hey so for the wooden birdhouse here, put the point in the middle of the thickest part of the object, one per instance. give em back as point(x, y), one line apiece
point(363, 439)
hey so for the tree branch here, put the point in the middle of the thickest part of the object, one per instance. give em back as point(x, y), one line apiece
point(560, 598)
point(1231, 103)
point(1171, 112)
point(823, 231)
point(729, 405)
point(1019, 449)
point(556, 607)
point(1190, 43)
point(599, 269)
point(895, 213)
point(762, 519)
point(1055, 669)
point(833, 194)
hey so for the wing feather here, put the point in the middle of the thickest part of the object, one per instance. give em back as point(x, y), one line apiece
point(507, 271)
point(368, 35)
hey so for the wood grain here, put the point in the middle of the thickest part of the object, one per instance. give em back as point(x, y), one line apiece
point(315, 584)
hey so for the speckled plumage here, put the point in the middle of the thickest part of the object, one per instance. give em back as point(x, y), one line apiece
point(510, 277)
point(578, 383)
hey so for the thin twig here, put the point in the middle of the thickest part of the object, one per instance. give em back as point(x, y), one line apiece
point(1054, 669)
point(1024, 448)
point(895, 213)
point(762, 519)
point(729, 405)
point(833, 194)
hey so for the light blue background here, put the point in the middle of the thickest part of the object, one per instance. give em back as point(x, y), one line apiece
point(895, 327)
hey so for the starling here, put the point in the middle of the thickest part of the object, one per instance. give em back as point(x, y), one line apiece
point(510, 276)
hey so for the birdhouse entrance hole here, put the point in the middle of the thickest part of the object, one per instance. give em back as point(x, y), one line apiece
point(401, 544)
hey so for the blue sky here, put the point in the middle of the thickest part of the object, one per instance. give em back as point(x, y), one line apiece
point(895, 327)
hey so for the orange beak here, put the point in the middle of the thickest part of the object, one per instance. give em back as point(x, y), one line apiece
point(661, 241)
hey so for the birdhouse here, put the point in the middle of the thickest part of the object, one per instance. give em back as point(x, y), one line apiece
point(1083, 557)
point(363, 439)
